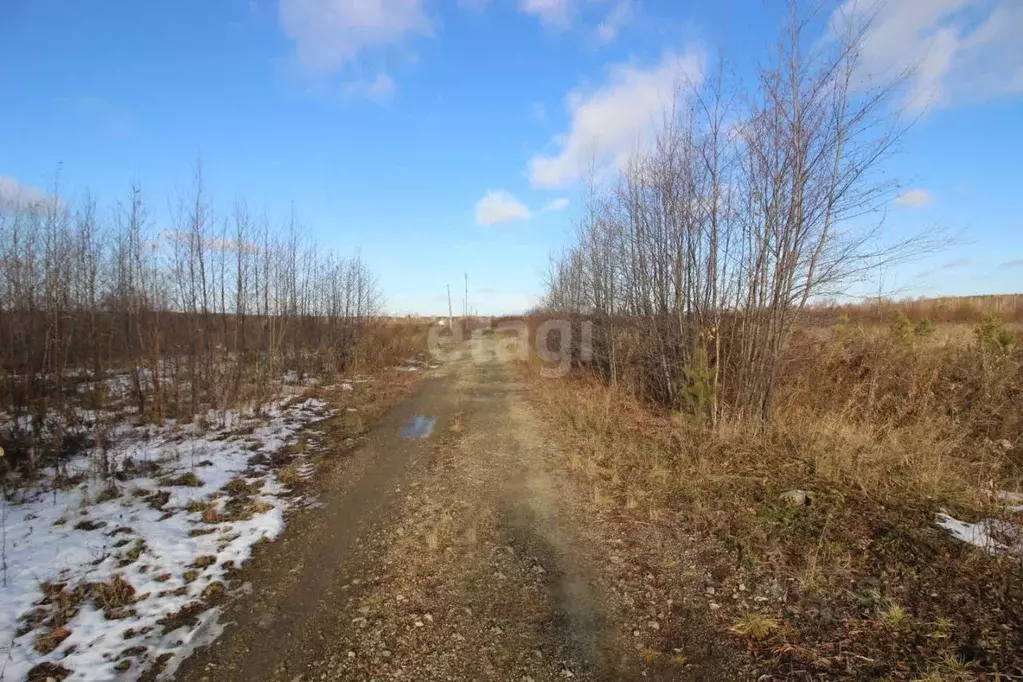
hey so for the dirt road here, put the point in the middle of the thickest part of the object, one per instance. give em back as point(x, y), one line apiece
point(457, 552)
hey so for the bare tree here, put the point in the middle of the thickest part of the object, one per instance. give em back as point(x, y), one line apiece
point(698, 262)
point(202, 316)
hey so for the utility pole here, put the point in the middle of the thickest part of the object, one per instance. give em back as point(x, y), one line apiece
point(451, 316)
point(465, 298)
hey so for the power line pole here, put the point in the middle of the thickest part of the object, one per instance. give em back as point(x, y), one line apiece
point(451, 316)
point(465, 298)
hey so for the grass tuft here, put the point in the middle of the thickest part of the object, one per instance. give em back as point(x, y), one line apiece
point(47, 642)
point(188, 479)
point(756, 626)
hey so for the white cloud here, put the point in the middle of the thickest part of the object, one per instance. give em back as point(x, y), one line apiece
point(555, 205)
point(379, 90)
point(914, 198)
point(608, 29)
point(960, 50)
point(550, 12)
point(499, 206)
point(329, 34)
point(382, 87)
point(609, 123)
point(14, 193)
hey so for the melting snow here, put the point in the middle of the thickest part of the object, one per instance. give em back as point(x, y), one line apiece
point(1013, 500)
point(994, 536)
point(43, 545)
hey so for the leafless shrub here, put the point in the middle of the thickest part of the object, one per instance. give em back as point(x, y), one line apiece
point(108, 314)
point(696, 265)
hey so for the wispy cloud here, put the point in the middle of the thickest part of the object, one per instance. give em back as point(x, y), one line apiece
point(555, 205)
point(501, 206)
point(1018, 263)
point(914, 198)
point(616, 19)
point(15, 193)
point(959, 50)
point(329, 34)
point(957, 263)
point(379, 90)
point(610, 122)
point(555, 13)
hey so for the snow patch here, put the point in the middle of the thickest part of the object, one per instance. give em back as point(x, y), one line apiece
point(1014, 501)
point(994, 536)
point(147, 535)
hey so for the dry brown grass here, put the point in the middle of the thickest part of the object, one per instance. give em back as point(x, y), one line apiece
point(756, 626)
point(211, 514)
point(288, 475)
point(48, 641)
point(204, 561)
point(387, 343)
point(885, 431)
point(114, 594)
point(951, 309)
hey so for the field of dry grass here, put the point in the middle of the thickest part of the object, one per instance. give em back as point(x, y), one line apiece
point(818, 529)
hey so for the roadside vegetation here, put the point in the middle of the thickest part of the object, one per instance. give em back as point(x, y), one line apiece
point(167, 393)
point(838, 486)
point(818, 536)
point(103, 308)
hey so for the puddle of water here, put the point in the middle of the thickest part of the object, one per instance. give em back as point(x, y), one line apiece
point(419, 427)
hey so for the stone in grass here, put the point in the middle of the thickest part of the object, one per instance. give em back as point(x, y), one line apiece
point(797, 498)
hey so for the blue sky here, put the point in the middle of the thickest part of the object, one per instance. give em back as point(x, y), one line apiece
point(438, 137)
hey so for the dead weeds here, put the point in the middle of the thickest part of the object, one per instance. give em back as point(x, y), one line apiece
point(48, 641)
point(858, 582)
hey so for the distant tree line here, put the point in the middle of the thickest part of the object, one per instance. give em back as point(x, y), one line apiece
point(204, 314)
